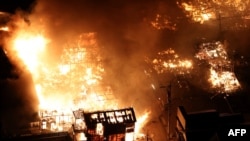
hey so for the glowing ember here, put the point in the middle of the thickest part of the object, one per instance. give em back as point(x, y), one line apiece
point(221, 76)
point(233, 14)
point(163, 22)
point(239, 5)
point(169, 61)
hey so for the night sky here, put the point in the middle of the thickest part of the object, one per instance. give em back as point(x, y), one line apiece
point(12, 5)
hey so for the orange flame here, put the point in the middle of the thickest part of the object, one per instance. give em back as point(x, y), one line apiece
point(225, 80)
point(74, 83)
point(28, 48)
point(198, 13)
point(4, 28)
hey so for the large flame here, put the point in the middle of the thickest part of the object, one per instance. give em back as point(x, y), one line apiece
point(141, 121)
point(75, 82)
point(28, 48)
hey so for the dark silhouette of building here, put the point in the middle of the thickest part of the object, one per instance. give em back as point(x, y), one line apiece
point(210, 125)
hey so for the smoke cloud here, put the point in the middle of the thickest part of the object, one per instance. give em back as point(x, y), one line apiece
point(18, 102)
point(123, 34)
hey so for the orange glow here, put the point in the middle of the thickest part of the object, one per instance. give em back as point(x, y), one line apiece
point(169, 61)
point(81, 137)
point(163, 22)
point(239, 5)
point(73, 83)
point(224, 80)
point(4, 28)
point(221, 77)
point(28, 48)
point(141, 121)
point(198, 13)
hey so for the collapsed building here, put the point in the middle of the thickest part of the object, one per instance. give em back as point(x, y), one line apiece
point(105, 125)
point(110, 125)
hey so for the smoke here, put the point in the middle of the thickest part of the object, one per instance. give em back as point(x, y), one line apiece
point(18, 102)
point(123, 34)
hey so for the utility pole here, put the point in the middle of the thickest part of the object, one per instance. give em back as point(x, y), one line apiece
point(168, 90)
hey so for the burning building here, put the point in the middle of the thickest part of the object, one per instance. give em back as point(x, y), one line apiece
point(86, 61)
point(111, 125)
point(105, 125)
point(222, 76)
point(74, 83)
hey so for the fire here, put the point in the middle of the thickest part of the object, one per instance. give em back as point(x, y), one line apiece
point(28, 48)
point(203, 10)
point(141, 121)
point(222, 78)
point(74, 82)
point(81, 137)
point(200, 13)
point(4, 28)
point(239, 5)
point(162, 22)
point(169, 61)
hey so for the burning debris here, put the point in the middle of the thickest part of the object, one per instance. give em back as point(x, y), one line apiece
point(231, 14)
point(222, 77)
point(163, 22)
point(198, 13)
point(96, 125)
point(168, 61)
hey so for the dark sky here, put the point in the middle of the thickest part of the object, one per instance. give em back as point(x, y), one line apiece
point(12, 5)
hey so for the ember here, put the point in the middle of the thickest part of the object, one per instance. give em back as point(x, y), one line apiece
point(163, 22)
point(169, 61)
